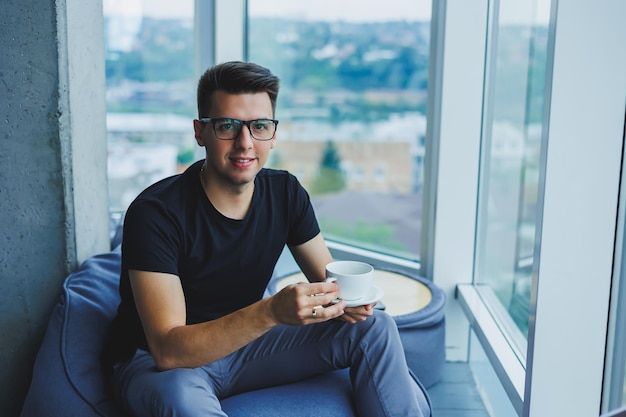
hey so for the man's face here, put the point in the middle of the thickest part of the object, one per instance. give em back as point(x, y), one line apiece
point(235, 163)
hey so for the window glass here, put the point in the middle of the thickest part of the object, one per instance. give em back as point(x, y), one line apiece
point(354, 76)
point(510, 162)
point(150, 91)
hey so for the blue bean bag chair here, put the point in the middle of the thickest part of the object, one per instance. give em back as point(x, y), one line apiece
point(423, 334)
point(68, 378)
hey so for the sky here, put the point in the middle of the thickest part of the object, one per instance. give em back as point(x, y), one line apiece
point(349, 10)
point(153, 8)
point(511, 11)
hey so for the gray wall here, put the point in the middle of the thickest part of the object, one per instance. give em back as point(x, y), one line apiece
point(53, 193)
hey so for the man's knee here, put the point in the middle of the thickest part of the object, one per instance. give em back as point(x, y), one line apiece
point(180, 390)
point(181, 393)
point(382, 325)
point(381, 334)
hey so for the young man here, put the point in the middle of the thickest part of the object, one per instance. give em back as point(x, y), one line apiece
point(198, 251)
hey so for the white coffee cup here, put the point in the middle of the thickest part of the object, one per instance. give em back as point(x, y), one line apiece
point(354, 278)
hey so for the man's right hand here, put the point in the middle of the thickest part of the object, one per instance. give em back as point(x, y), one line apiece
point(307, 303)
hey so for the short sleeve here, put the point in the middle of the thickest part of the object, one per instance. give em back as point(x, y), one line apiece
point(151, 238)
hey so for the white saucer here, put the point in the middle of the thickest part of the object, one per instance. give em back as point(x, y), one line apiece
point(373, 295)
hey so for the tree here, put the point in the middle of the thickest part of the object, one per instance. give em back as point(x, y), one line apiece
point(330, 178)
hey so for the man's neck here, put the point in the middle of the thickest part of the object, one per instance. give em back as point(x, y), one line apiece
point(232, 201)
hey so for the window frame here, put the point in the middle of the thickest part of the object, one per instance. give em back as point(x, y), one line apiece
point(615, 364)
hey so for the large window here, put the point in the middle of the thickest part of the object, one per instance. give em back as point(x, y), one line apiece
point(352, 111)
point(352, 128)
point(150, 93)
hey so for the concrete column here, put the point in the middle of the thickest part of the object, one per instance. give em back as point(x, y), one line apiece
point(53, 189)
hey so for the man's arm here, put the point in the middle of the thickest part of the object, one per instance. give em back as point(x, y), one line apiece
point(173, 344)
point(312, 258)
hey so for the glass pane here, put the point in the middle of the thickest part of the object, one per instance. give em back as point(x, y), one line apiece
point(354, 77)
point(513, 116)
point(150, 93)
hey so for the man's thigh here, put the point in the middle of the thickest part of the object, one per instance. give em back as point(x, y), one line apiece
point(287, 354)
point(144, 390)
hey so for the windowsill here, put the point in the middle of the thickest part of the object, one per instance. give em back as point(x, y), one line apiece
point(503, 351)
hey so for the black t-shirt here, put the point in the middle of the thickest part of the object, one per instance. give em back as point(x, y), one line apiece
point(223, 264)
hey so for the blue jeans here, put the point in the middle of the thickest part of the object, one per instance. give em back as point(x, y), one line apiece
point(372, 350)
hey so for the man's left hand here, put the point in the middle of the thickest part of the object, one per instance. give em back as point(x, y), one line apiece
point(358, 314)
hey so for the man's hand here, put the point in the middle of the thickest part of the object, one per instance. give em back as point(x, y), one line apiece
point(358, 314)
point(307, 303)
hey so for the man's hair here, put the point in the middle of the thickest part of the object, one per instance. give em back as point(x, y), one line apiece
point(235, 77)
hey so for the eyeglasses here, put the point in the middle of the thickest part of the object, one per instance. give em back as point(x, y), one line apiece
point(226, 128)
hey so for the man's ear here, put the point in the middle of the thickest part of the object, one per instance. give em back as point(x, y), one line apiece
point(197, 129)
